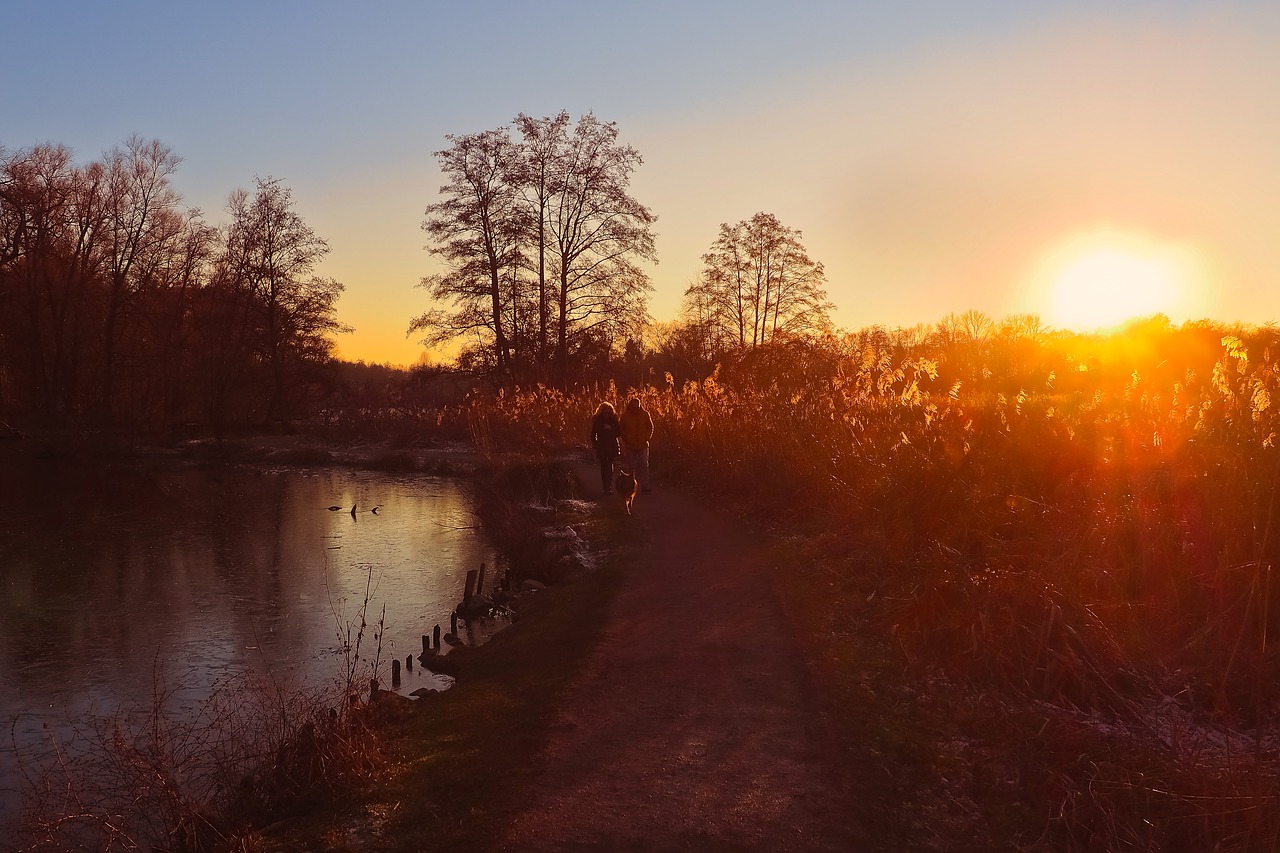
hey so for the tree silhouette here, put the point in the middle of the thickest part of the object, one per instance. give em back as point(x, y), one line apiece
point(120, 309)
point(541, 142)
point(541, 240)
point(287, 314)
point(757, 284)
point(478, 229)
point(595, 229)
point(142, 227)
point(51, 208)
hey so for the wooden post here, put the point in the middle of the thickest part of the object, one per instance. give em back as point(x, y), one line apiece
point(453, 623)
point(426, 645)
point(471, 586)
point(395, 672)
point(408, 663)
point(373, 689)
point(480, 581)
point(436, 638)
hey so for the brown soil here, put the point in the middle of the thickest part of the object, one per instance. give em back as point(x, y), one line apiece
point(695, 725)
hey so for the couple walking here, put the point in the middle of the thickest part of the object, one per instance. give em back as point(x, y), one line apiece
point(626, 437)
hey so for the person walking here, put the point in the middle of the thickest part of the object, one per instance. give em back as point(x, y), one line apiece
point(605, 430)
point(637, 431)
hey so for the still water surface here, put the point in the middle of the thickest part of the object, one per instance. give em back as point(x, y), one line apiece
point(116, 578)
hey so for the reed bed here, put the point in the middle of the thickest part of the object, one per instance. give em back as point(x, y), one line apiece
point(1080, 527)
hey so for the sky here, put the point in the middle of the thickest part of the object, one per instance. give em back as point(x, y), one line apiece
point(1078, 160)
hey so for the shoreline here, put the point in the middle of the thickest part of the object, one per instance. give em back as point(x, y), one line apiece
point(507, 488)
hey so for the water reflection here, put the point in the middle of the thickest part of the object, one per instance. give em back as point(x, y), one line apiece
point(116, 578)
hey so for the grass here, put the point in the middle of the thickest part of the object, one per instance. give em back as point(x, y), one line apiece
point(937, 762)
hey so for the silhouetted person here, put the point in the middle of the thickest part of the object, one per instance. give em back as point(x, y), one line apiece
point(604, 439)
point(637, 430)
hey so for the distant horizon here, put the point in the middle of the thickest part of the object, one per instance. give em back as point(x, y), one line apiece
point(1117, 329)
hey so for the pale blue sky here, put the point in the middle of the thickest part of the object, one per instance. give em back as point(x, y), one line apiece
point(931, 152)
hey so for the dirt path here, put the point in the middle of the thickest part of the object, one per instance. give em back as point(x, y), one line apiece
point(694, 726)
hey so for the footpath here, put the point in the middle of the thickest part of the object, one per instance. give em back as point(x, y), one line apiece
point(694, 725)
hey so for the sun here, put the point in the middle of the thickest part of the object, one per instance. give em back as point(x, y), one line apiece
point(1100, 279)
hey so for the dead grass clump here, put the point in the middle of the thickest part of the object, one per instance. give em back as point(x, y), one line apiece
point(1160, 781)
point(1000, 627)
point(161, 778)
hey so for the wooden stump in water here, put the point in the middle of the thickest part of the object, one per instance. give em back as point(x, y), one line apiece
point(469, 590)
point(395, 673)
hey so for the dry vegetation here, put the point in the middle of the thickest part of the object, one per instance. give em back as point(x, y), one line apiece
point(202, 775)
point(1070, 536)
point(1034, 571)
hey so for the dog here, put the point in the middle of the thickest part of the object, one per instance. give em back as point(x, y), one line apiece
point(625, 486)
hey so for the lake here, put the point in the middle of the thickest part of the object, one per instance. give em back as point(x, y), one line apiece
point(116, 580)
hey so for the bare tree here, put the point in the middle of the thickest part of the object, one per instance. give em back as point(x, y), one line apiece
point(79, 248)
point(116, 303)
point(758, 283)
point(288, 314)
point(141, 226)
point(542, 140)
point(52, 216)
point(477, 229)
point(596, 231)
point(555, 206)
point(167, 360)
point(968, 326)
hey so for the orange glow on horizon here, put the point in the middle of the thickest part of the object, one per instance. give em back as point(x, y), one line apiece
point(1100, 279)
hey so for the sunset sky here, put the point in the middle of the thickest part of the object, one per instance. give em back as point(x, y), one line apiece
point(1060, 158)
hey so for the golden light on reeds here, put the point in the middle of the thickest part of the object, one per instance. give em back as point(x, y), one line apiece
point(1099, 279)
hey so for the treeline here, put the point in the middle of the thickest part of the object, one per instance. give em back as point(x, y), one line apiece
point(121, 308)
point(542, 244)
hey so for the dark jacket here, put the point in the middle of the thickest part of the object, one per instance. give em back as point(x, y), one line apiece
point(604, 433)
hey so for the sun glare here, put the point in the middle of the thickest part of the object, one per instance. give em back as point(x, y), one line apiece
point(1104, 278)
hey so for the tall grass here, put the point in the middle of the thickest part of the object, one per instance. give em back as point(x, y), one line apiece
point(1086, 522)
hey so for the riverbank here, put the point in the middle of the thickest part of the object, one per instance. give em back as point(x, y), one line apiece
point(667, 699)
point(736, 648)
point(456, 765)
point(441, 457)
point(201, 553)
